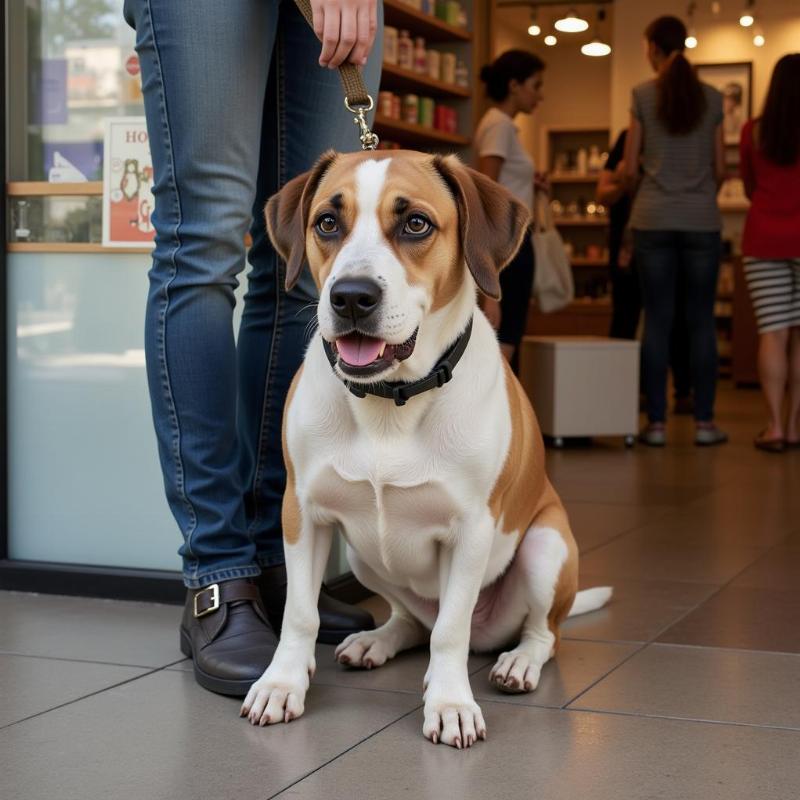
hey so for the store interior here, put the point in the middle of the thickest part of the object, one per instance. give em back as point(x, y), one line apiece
point(685, 685)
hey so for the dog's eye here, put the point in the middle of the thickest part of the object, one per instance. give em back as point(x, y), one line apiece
point(327, 225)
point(417, 225)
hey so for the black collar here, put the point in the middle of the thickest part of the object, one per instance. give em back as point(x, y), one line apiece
point(399, 391)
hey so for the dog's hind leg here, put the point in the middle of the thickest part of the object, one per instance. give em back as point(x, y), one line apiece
point(401, 631)
point(547, 573)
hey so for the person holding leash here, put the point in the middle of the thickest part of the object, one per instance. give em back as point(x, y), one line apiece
point(239, 99)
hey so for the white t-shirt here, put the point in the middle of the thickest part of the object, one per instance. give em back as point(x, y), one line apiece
point(497, 135)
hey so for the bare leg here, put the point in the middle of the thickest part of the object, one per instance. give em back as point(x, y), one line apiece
point(793, 425)
point(772, 371)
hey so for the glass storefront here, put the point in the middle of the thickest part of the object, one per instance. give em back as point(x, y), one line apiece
point(84, 482)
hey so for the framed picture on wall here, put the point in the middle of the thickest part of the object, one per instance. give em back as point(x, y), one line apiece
point(735, 81)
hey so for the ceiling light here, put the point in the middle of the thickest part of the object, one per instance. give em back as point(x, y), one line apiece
point(571, 23)
point(691, 36)
point(550, 40)
point(747, 18)
point(596, 48)
point(759, 40)
point(533, 28)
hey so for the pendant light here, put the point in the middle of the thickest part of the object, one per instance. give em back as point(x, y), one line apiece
point(551, 40)
point(534, 28)
point(597, 48)
point(691, 33)
point(571, 23)
point(747, 19)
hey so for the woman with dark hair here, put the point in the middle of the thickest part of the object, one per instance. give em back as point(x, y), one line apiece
point(514, 83)
point(675, 138)
point(770, 164)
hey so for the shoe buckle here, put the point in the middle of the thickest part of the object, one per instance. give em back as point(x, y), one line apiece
point(214, 589)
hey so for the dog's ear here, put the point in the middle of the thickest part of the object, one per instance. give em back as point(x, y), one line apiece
point(491, 220)
point(287, 216)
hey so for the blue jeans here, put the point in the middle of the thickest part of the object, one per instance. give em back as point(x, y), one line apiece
point(236, 105)
point(665, 258)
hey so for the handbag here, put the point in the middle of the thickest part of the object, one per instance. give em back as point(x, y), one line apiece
point(553, 285)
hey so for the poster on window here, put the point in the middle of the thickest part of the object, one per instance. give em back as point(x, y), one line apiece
point(127, 184)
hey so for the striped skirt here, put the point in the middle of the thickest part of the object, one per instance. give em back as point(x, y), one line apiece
point(775, 291)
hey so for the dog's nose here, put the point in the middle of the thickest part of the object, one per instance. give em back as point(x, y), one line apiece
point(355, 298)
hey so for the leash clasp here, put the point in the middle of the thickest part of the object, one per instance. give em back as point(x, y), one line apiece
point(369, 140)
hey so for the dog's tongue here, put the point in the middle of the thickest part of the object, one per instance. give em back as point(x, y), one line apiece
point(359, 350)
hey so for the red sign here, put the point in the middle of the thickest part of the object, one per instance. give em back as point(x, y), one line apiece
point(132, 65)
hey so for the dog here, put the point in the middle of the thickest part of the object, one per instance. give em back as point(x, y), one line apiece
point(406, 429)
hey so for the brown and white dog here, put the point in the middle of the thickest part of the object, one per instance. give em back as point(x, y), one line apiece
point(443, 501)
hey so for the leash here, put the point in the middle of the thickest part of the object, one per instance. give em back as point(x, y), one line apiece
point(399, 391)
point(358, 101)
point(356, 98)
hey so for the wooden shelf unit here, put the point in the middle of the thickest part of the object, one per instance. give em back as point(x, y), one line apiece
point(400, 15)
point(415, 135)
point(565, 177)
point(580, 222)
point(441, 36)
point(397, 79)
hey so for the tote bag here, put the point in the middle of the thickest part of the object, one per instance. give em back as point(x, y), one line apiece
point(553, 286)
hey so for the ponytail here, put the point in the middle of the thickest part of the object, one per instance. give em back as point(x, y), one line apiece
point(681, 101)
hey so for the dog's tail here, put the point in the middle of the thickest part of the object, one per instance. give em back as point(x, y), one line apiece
point(590, 600)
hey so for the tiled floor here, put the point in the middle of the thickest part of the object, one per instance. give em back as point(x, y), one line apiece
point(686, 686)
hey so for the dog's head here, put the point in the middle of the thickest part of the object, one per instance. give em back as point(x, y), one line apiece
point(392, 240)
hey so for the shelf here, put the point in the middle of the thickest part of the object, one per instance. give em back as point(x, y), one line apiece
point(400, 15)
point(566, 177)
point(46, 189)
point(71, 247)
point(405, 80)
point(582, 261)
point(395, 129)
point(578, 222)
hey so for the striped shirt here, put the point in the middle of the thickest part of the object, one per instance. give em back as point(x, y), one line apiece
point(678, 191)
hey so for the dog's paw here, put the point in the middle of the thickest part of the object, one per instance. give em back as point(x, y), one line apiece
point(457, 723)
point(367, 650)
point(515, 671)
point(275, 698)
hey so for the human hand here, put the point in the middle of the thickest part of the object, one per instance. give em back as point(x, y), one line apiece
point(491, 308)
point(346, 29)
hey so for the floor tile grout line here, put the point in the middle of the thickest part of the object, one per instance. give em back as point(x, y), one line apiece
point(347, 750)
point(654, 640)
point(83, 697)
point(694, 720)
point(606, 674)
point(713, 594)
point(90, 661)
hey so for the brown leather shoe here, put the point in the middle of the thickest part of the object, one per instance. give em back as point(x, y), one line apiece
point(228, 634)
point(337, 620)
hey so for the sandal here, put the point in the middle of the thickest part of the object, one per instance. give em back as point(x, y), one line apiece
point(771, 445)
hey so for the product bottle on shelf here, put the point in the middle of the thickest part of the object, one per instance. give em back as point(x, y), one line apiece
point(595, 162)
point(405, 51)
point(582, 162)
point(420, 56)
point(411, 109)
point(449, 67)
point(462, 74)
point(434, 65)
point(389, 44)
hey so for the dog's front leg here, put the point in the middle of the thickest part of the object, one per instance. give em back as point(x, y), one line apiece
point(279, 694)
point(451, 714)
